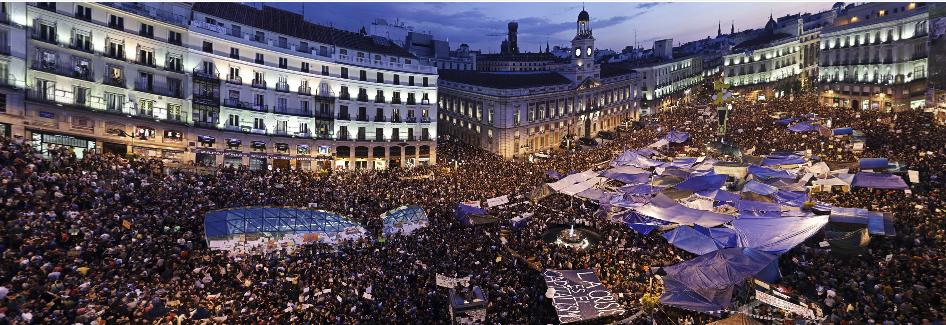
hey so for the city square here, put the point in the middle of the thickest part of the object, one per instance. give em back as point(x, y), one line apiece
point(791, 172)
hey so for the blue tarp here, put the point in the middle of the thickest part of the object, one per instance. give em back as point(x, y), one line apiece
point(879, 180)
point(684, 162)
point(664, 208)
point(788, 159)
point(640, 189)
point(873, 163)
point(642, 224)
point(706, 283)
point(677, 136)
point(750, 209)
point(627, 178)
point(776, 235)
point(553, 174)
point(720, 195)
point(700, 183)
point(633, 158)
point(790, 198)
point(464, 212)
point(404, 220)
point(786, 121)
point(759, 188)
point(842, 131)
point(802, 127)
point(769, 173)
point(700, 242)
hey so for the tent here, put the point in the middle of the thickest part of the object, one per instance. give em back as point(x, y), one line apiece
point(471, 215)
point(700, 183)
point(819, 169)
point(790, 198)
point(784, 159)
point(706, 283)
point(787, 120)
point(873, 163)
point(659, 143)
point(776, 235)
point(721, 196)
point(664, 208)
point(879, 180)
point(701, 241)
point(677, 136)
point(575, 183)
point(769, 173)
point(405, 220)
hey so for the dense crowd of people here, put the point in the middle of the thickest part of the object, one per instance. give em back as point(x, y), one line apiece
point(107, 239)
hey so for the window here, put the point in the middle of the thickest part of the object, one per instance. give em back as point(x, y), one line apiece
point(174, 112)
point(425, 82)
point(410, 80)
point(324, 70)
point(303, 47)
point(380, 77)
point(396, 134)
point(397, 79)
point(283, 63)
point(233, 120)
point(305, 67)
point(116, 22)
point(234, 53)
point(304, 128)
point(303, 149)
point(208, 47)
point(144, 132)
point(259, 59)
point(173, 135)
point(258, 124)
point(282, 127)
point(146, 31)
point(145, 107)
point(174, 62)
point(344, 72)
point(83, 12)
point(47, 32)
point(114, 102)
point(283, 42)
point(82, 95)
point(363, 75)
point(174, 38)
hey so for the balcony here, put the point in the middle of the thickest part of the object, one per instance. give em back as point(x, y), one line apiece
point(81, 46)
point(294, 111)
point(305, 90)
point(362, 118)
point(45, 37)
point(379, 118)
point(150, 87)
point(112, 81)
point(151, 12)
point(396, 119)
point(207, 96)
point(326, 115)
point(263, 108)
point(5, 49)
point(425, 120)
point(379, 99)
point(344, 96)
point(344, 117)
point(236, 80)
point(173, 66)
point(362, 98)
point(114, 54)
point(209, 75)
point(75, 71)
point(205, 124)
point(261, 84)
point(147, 61)
point(281, 87)
point(410, 119)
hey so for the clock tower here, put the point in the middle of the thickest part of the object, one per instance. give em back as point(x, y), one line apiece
point(582, 54)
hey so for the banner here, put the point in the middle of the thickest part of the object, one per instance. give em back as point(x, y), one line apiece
point(914, 176)
point(497, 201)
point(578, 295)
point(449, 282)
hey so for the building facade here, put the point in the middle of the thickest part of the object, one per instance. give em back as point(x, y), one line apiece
point(771, 59)
point(875, 56)
point(515, 114)
point(220, 83)
point(663, 82)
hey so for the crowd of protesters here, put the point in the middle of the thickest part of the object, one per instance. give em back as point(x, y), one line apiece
point(107, 239)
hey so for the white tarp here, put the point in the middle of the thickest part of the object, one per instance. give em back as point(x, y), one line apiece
point(820, 169)
point(572, 179)
point(450, 282)
point(660, 143)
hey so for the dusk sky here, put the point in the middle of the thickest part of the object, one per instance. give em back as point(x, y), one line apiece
point(613, 23)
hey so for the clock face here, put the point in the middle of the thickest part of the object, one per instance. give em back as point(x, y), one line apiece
point(578, 52)
point(588, 51)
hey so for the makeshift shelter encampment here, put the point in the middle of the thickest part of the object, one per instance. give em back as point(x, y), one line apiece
point(873, 163)
point(664, 208)
point(575, 183)
point(879, 180)
point(842, 131)
point(769, 173)
point(782, 159)
point(249, 226)
point(702, 241)
point(829, 185)
point(706, 283)
point(776, 235)
point(677, 136)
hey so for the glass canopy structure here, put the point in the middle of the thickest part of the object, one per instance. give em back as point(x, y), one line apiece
point(226, 228)
point(405, 220)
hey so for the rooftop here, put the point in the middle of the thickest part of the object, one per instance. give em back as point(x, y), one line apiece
point(504, 80)
point(763, 40)
point(295, 25)
point(614, 69)
point(523, 57)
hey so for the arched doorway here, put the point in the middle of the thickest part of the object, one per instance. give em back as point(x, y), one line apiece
point(854, 104)
point(587, 133)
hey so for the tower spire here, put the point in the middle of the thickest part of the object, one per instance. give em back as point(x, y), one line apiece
point(719, 29)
